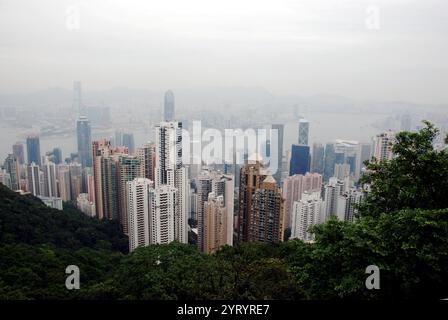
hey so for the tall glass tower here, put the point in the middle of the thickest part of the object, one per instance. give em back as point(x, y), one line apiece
point(84, 141)
point(33, 149)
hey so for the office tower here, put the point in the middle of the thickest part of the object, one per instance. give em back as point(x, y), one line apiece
point(75, 180)
point(317, 158)
point(34, 179)
point(54, 156)
point(33, 149)
point(168, 107)
point(252, 175)
point(105, 169)
point(162, 210)
point(293, 188)
point(170, 171)
point(84, 140)
point(382, 143)
point(347, 204)
point(5, 178)
point(300, 159)
point(11, 165)
point(64, 182)
point(85, 205)
point(304, 128)
point(147, 157)
point(50, 185)
point(267, 213)
point(406, 122)
point(341, 171)
point(307, 212)
point(138, 207)
point(215, 224)
point(280, 134)
point(78, 106)
point(18, 152)
point(329, 161)
point(128, 141)
point(364, 154)
point(128, 170)
point(220, 185)
point(332, 191)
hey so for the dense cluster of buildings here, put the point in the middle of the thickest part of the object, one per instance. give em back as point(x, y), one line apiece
point(159, 199)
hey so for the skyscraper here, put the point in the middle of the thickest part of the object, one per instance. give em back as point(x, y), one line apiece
point(106, 178)
point(34, 179)
point(304, 128)
point(382, 149)
point(11, 166)
point(162, 207)
point(300, 159)
point(364, 153)
point(64, 183)
point(128, 170)
point(75, 180)
point(138, 208)
point(267, 213)
point(342, 170)
point(84, 141)
point(147, 157)
point(317, 158)
point(252, 175)
point(50, 184)
point(33, 149)
point(347, 204)
point(293, 189)
point(125, 139)
point(220, 185)
point(215, 224)
point(18, 152)
point(280, 134)
point(332, 191)
point(307, 212)
point(170, 171)
point(168, 107)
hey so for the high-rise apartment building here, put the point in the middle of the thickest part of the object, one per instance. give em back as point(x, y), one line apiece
point(64, 182)
point(215, 233)
point(128, 169)
point(34, 179)
point(50, 183)
point(266, 216)
point(293, 189)
point(307, 212)
point(252, 175)
point(169, 170)
point(221, 185)
point(147, 157)
point(382, 149)
point(11, 165)
point(162, 208)
point(138, 208)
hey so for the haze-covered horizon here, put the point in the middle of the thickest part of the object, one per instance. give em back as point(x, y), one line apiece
point(382, 50)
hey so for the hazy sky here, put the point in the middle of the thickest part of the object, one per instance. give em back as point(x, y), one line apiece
point(382, 49)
